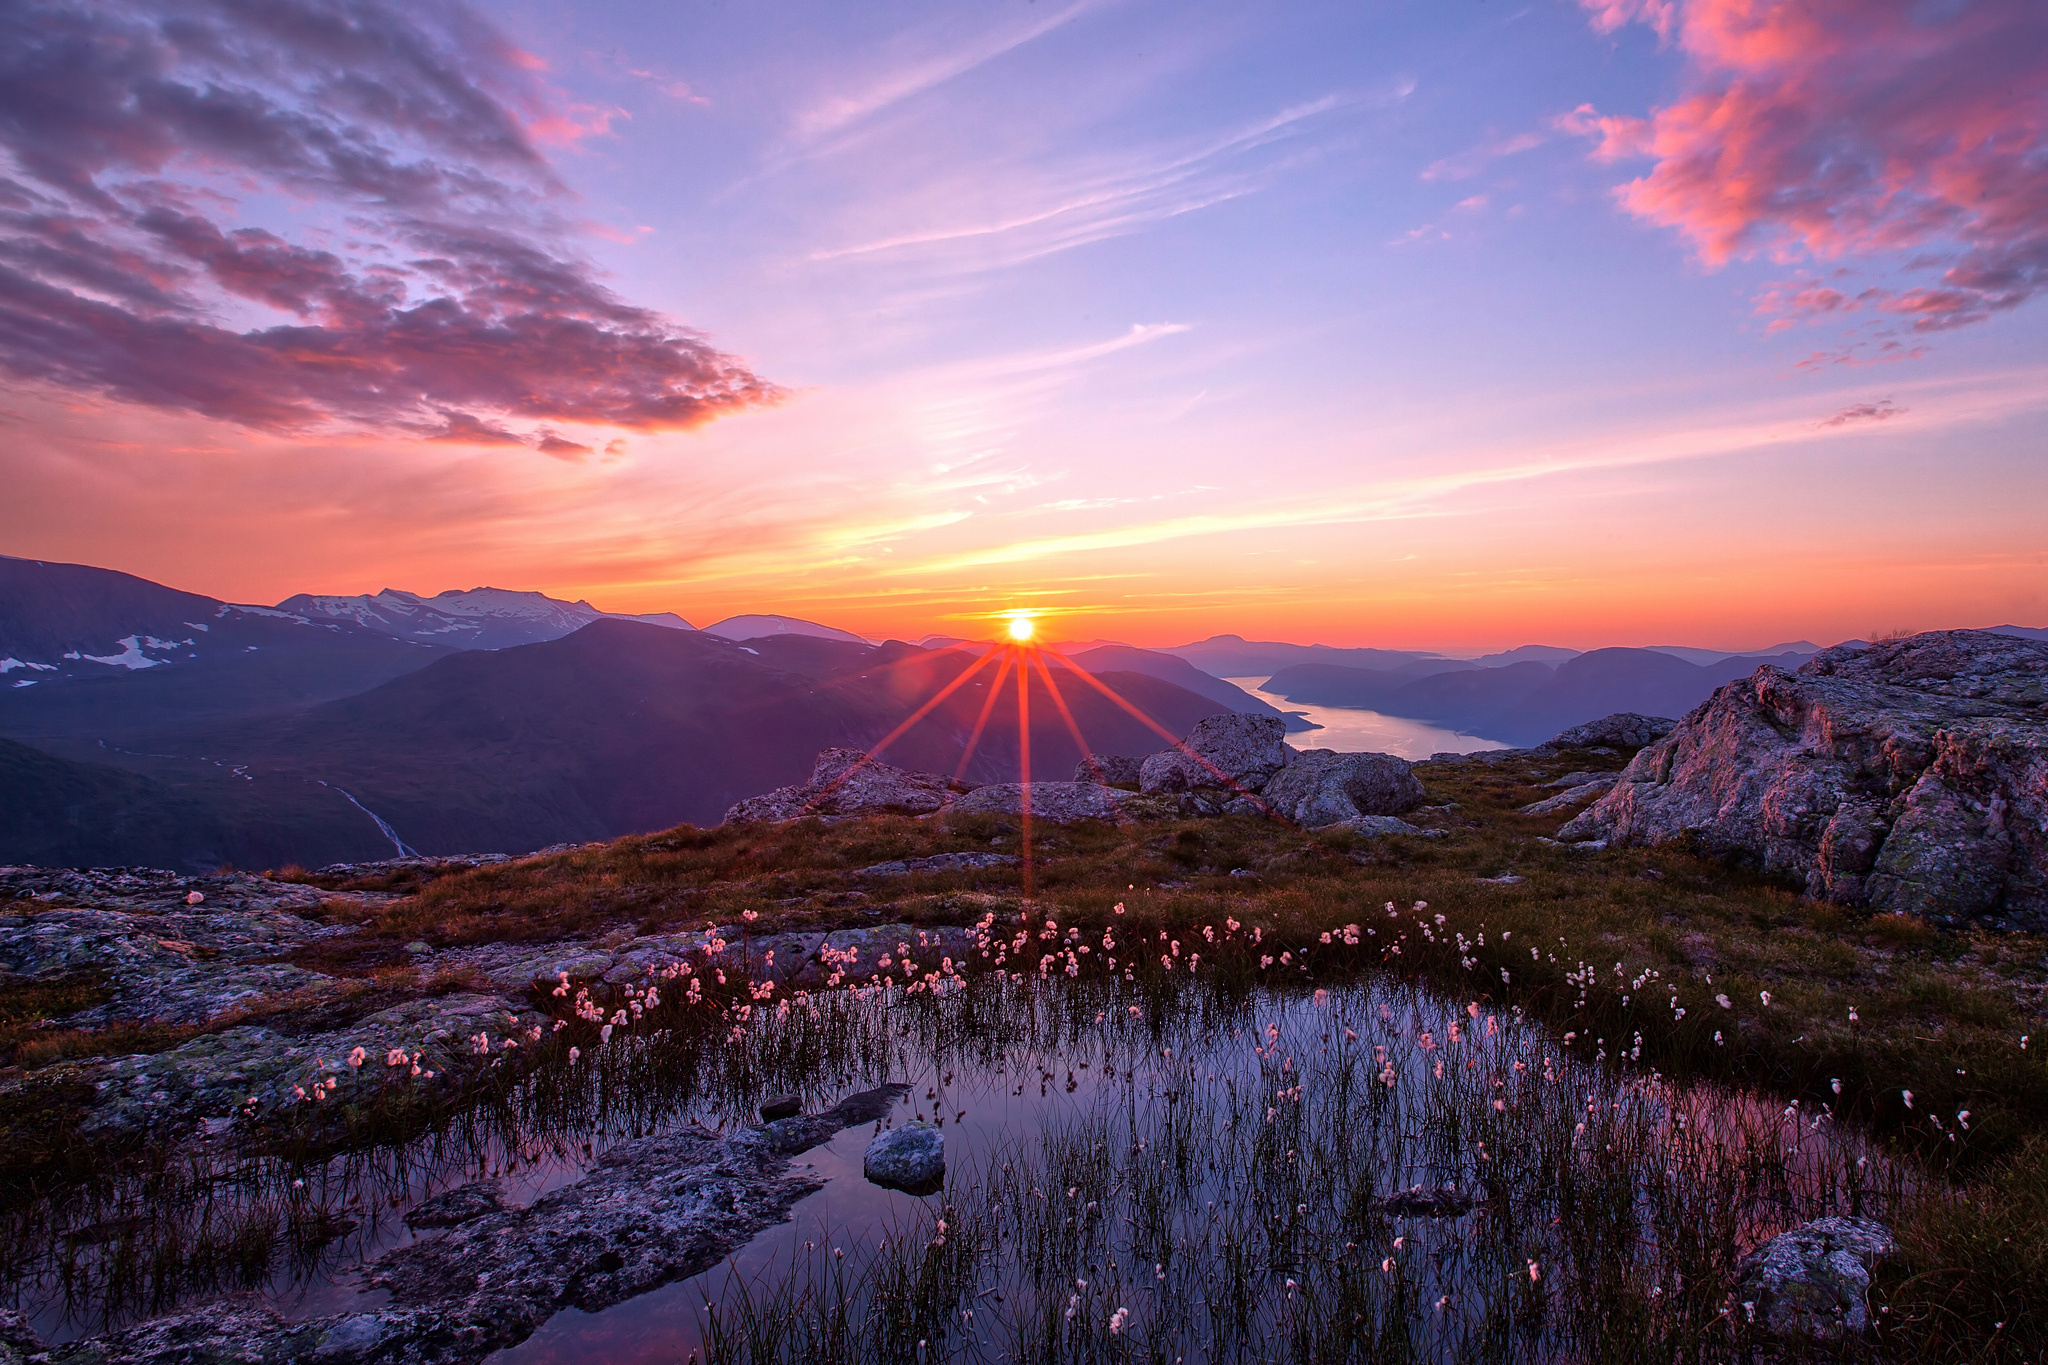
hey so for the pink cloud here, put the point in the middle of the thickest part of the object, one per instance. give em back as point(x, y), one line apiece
point(134, 127)
point(1848, 128)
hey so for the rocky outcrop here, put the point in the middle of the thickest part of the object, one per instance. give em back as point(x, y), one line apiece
point(1109, 769)
point(1323, 787)
point(1622, 730)
point(1058, 803)
point(651, 1211)
point(1910, 776)
point(848, 782)
point(1228, 752)
point(1574, 793)
point(1814, 1280)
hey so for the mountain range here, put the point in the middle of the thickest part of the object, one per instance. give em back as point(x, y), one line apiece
point(146, 725)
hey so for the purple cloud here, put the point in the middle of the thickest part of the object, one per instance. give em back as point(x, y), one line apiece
point(133, 135)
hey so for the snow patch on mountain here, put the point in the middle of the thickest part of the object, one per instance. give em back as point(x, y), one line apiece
point(473, 618)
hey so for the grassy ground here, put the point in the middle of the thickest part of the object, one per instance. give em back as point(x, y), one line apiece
point(1923, 1031)
point(1599, 945)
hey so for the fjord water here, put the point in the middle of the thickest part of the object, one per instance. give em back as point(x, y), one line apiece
point(1352, 729)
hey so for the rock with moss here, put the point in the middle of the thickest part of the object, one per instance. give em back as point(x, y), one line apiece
point(1909, 776)
point(1814, 1281)
point(849, 782)
point(1233, 752)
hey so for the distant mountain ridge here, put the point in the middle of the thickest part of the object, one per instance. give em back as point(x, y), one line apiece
point(475, 618)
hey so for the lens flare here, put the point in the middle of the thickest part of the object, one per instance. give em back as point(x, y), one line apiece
point(1020, 627)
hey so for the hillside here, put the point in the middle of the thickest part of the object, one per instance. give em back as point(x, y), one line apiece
point(618, 729)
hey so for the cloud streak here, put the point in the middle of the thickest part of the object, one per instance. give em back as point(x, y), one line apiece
point(1847, 128)
point(439, 299)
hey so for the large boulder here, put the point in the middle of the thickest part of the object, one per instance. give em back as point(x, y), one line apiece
point(1909, 776)
point(848, 782)
point(1056, 803)
point(1813, 1281)
point(1622, 730)
point(1323, 787)
point(1229, 751)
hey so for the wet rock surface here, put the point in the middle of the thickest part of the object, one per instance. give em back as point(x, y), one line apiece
point(1911, 776)
point(911, 1158)
point(1813, 1281)
point(847, 782)
point(651, 1211)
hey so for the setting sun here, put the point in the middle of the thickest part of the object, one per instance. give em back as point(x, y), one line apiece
point(1020, 627)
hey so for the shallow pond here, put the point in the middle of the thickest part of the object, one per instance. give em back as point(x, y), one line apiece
point(1159, 1169)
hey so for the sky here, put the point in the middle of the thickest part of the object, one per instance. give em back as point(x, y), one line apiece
point(1454, 324)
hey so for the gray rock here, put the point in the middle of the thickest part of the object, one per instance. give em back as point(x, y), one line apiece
point(781, 1107)
point(1237, 752)
point(1374, 826)
point(650, 1212)
point(847, 782)
point(939, 862)
point(911, 1158)
point(1109, 768)
point(1623, 729)
point(1322, 787)
point(1572, 796)
point(1056, 803)
point(1813, 1280)
point(1910, 776)
point(1583, 779)
point(452, 1208)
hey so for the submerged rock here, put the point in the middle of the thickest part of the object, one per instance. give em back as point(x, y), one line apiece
point(1812, 1281)
point(1909, 776)
point(911, 1158)
point(1323, 787)
point(1230, 751)
point(650, 1211)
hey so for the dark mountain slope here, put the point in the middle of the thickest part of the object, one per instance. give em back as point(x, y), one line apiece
point(617, 729)
point(1604, 681)
point(1233, 656)
point(1178, 671)
point(57, 813)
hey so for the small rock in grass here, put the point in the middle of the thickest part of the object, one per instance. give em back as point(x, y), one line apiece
point(781, 1107)
point(911, 1158)
point(1811, 1281)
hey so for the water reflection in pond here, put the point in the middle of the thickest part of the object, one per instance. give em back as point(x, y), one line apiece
point(1172, 1167)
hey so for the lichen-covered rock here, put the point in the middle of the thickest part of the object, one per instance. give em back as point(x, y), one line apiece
point(911, 1158)
point(1813, 1280)
point(1237, 752)
point(1323, 787)
point(1109, 768)
point(1910, 776)
point(939, 862)
point(849, 782)
point(1057, 803)
point(651, 1211)
point(1622, 730)
point(1574, 794)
